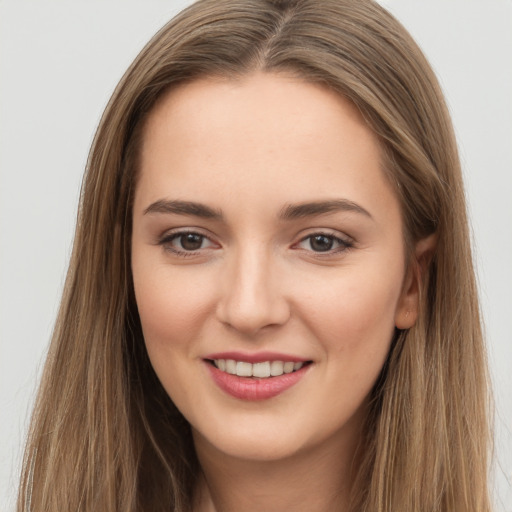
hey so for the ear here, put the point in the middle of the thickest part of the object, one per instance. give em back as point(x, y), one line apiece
point(408, 305)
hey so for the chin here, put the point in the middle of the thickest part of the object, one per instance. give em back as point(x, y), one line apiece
point(249, 446)
point(264, 437)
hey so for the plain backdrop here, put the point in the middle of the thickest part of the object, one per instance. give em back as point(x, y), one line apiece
point(59, 63)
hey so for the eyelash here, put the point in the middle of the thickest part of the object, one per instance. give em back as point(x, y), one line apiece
point(344, 244)
point(167, 240)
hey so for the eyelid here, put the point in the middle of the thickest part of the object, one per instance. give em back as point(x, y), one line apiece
point(169, 236)
point(346, 242)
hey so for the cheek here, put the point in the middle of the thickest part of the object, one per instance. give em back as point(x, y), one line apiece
point(354, 312)
point(355, 327)
point(172, 310)
point(171, 305)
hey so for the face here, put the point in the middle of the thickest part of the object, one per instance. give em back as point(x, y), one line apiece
point(268, 262)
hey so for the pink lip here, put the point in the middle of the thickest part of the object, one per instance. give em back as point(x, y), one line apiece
point(259, 357)
point(247, 388)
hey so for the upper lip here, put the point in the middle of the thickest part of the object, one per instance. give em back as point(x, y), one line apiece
point(256, 357)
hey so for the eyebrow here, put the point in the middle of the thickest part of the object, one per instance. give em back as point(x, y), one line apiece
point(289, 212)
point(184, 208)
point(297, 211)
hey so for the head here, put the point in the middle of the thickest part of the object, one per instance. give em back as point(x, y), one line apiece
point(359, 53)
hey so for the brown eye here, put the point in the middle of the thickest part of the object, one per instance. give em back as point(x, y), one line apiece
point(321, 243)
point(190, 241)
point(186, 242)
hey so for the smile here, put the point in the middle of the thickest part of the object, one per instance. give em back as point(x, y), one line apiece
point(266, 376)
point(260, 370)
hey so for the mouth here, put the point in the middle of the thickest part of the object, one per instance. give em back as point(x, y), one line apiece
point(256, 376)
point(259, 370)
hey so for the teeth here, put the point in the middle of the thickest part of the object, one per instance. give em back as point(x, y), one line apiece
point(276, 368)
point(261, 370)
point(243, 369)
point(288, 367)
point(230, 366)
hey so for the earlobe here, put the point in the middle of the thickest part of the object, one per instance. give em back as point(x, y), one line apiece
point(408, 305)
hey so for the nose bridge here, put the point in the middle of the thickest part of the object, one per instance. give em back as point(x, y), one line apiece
point(252, 296)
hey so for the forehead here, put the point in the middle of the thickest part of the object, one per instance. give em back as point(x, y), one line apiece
point(269, 136)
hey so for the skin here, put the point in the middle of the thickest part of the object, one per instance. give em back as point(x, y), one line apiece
point(250, 148)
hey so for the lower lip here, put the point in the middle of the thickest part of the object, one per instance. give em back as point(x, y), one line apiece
point(247, 388)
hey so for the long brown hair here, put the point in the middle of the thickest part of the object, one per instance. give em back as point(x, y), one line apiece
point(106, 437)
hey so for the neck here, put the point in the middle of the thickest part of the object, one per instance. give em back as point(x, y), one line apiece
point(317, 479)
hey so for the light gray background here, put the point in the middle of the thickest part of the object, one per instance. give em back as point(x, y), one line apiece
point(59, 62)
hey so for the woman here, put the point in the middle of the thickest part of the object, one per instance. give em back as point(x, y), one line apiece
point(270, 302)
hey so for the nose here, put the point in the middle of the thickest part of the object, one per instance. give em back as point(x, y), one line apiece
point(252, 296)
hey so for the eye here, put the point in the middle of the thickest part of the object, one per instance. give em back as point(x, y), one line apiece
point(321, 242)
point(186, 242)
